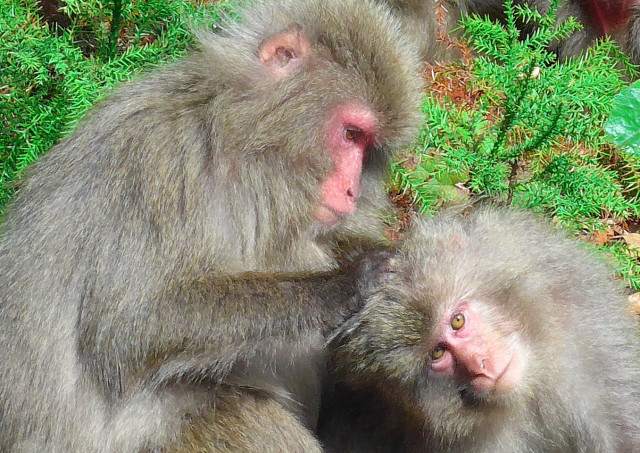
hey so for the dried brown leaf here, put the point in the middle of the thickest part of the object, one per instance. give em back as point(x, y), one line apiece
point(632, 240)
point(601, 237)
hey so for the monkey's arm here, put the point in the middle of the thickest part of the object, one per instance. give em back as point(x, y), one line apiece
point(204, 326)
point(258, 306)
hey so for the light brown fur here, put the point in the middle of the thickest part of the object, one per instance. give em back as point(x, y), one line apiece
point(580, 388)
point(125, 302)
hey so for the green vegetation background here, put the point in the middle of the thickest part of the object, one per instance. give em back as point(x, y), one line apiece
point(512, 124)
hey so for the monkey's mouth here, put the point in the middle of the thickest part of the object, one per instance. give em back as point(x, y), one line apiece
point(327, 216)
point(469, 397)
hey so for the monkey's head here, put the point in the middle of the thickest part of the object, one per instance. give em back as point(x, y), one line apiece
point(324, 93)
point(469, 328)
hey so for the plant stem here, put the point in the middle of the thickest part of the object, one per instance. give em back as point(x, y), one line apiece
point(116, 16)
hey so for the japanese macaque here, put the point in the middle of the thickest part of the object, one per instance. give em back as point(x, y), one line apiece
point(615, 18)
point(151, 261)
point(491, 334)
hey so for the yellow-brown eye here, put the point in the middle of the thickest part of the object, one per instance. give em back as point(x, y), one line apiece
point(351, 134)
point(457, 322)
point(437, 353)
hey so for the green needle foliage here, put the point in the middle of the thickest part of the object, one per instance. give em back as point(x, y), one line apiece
point(514, 124)
point(53, 68)
point(521, 127)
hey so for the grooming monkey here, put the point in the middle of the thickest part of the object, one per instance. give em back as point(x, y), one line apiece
point(491, 334)
point(151, 261)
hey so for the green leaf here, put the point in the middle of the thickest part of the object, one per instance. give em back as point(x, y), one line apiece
point(624, 123)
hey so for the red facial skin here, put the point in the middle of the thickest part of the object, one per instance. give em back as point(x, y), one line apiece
point(350, 130)
point(475, 354)
point(351, 134)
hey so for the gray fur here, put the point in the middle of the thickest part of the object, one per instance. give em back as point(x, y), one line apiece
point(115, 248)
point(581, 386)
point(419, 20)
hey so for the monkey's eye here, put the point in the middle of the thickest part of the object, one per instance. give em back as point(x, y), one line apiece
point(437, 353)
point(352, 133)
point(457, 322)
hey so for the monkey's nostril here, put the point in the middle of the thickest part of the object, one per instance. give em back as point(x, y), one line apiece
point(350, 193)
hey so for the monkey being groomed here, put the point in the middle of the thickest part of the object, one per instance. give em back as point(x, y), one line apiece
point(151, 261)
point(491, 334)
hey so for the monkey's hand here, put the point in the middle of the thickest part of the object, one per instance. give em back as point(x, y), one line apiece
point(368, 272)
point(371, 270)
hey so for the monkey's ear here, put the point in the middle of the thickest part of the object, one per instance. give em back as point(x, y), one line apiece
point(283, 52)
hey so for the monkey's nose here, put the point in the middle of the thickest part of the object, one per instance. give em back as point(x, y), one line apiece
point(475, 364)
point(353, 192)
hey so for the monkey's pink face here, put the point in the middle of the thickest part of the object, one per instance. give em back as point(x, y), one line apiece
point(470, 350)
point(350, 136)
point(350, 129)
